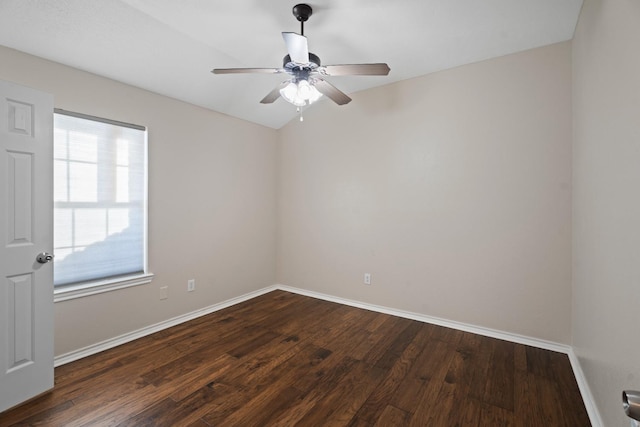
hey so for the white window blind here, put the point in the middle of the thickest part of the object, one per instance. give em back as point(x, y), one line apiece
point(99, 198)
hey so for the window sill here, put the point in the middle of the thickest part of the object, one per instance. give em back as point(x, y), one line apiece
point(92, 288)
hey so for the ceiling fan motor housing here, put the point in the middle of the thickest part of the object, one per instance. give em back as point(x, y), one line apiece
point(302, 12)
point(301, 72)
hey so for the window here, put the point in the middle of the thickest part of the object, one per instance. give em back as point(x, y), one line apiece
point(100, 201)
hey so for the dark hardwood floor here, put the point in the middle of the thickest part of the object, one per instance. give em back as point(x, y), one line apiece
point(283, 359)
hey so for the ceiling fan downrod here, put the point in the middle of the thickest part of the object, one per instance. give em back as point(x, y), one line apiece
point(302, 12)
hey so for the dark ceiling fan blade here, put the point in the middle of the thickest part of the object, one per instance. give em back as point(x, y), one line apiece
point(332, 92)
point(297, 47)
point(247, 70)
point(380, 69)
point(274, 94)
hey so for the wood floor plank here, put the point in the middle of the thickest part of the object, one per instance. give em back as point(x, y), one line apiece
point(202, 376)
point(466, 362)
point(110, 407)
point(378, 320)
point(443, 411)
point(398, 345)
point(520, 357)
point(385, 338)
point(158, 414)
point(40, 417)
point(341, 405)
point(550, 401)
point(276, 318)
point(306, 323)
point(448, 335)
point(97, 394)
point(469, 412)
point(392, 416)
point(480, 368)
point(454, 391)
point(527, 404)
point(437, 394)
point(262, 407)
point(256, 370)
point(381, 396)
point(494, 416)
point(185, 367)
point(283, 359)
point(225, 407)
point(427, 397)
point(433, 362)
point(250, 383)
point(539, 362)
point(332, 373)
point(499, 387)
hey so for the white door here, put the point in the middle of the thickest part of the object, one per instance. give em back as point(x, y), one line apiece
point(26, 229)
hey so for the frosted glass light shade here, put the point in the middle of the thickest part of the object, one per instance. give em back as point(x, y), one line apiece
point(314, 96)
point(300, 93)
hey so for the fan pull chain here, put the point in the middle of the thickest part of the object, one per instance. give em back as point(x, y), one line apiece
point(300, 111)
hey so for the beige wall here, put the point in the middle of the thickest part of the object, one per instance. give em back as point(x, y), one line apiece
point(212, 202)
point(453, 190)
point(606, 206)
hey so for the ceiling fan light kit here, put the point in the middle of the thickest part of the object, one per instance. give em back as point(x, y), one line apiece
point(306, 84)
point(301, 93)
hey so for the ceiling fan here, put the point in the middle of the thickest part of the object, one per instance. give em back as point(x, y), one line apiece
point(306, 84)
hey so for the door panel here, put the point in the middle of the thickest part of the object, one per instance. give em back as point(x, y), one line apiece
point(19, 203)
point(20, 321)
point(26, 229)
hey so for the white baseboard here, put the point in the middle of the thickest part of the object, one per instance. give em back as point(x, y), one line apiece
point(587, 397)
point(148, 330)
point(585, 390)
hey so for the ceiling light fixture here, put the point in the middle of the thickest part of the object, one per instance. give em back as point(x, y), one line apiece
point(300, 93)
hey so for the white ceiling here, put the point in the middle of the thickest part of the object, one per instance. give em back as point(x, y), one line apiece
point(170, 46)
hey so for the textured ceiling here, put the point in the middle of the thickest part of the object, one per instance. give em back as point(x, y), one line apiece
point(170, 46)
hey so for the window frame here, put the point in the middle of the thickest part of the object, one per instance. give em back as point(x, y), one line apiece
point(98, 286)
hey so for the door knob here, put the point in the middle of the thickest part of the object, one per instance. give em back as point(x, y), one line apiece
point(631, 404)
point(44, 258)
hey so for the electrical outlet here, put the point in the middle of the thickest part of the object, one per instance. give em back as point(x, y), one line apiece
point(191, 285)
point(367, 278)
point(164, 292)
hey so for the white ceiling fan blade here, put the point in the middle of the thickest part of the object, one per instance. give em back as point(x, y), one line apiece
point(247, 70)
point(331, 92)
point(379, 69)
point(274, 94)
point(297, 47)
